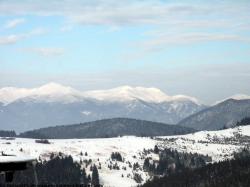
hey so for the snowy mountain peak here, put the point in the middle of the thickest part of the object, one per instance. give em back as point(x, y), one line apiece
point(53, 88)
point(186, 98)
point(235, 97)
point(57, 92)
point(240, 97)
point(127, 93)
point(10, 94)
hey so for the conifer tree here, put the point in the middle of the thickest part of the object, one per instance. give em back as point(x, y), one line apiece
point(95, 176)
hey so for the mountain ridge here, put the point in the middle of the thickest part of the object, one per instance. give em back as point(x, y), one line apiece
point(104, 128)
point(222, 115)
point(53, 104)
point(121, 93)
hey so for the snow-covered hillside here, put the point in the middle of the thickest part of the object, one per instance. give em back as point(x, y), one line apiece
point(217, 144)
point(98, 150)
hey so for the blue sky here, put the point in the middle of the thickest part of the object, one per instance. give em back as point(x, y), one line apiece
point(199, 48)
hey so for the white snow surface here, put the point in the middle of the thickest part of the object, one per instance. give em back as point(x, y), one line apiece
point(56, 92)
point(97, 149)
point(213, 143)
point(16, 159)
point(216, 144)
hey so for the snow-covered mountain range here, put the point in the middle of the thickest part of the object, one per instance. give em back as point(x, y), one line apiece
point(23, 109)
point(53, 104)
point(56, 92)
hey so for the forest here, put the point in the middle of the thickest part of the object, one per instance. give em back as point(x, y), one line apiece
point(60, 170)
point(228, 173)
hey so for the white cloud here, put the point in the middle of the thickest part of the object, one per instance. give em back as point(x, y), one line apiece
point(66, 28)
point(113, 29)
point(116, 13)
point(165, 41)
point(38, 31)
point(46, 51)
point(14, 38)
point(113, 13)
point(173, 22)
point(10, 39)
point(13, 23)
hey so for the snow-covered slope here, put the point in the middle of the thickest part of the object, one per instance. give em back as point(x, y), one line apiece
point(219, 145)
point(99, 150)
point(54, 104)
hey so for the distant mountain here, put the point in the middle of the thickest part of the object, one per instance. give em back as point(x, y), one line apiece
point(108, 128)
point(53, 104)
point(53, 92)
point(235, 97)
point(224, 114)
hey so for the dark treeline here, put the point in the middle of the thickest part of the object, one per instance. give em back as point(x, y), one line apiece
point(33, 134)
point(107, 128)
point(172, 161)
point(243, 122)
point(229, 173)
point(4, 133)
point(59, 170)
point(116, 156)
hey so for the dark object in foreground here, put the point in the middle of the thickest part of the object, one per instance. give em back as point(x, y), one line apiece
point(43, 141)
point(9, 164)
point(59, 171)
point(48, 185)
point(12, 166)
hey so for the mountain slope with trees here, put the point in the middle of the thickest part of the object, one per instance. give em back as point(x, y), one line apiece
point(229, 173)
point(58, 170)
point(108, 128)
point(223, 115)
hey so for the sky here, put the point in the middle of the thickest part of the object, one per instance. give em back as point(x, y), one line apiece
point(193, 47)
